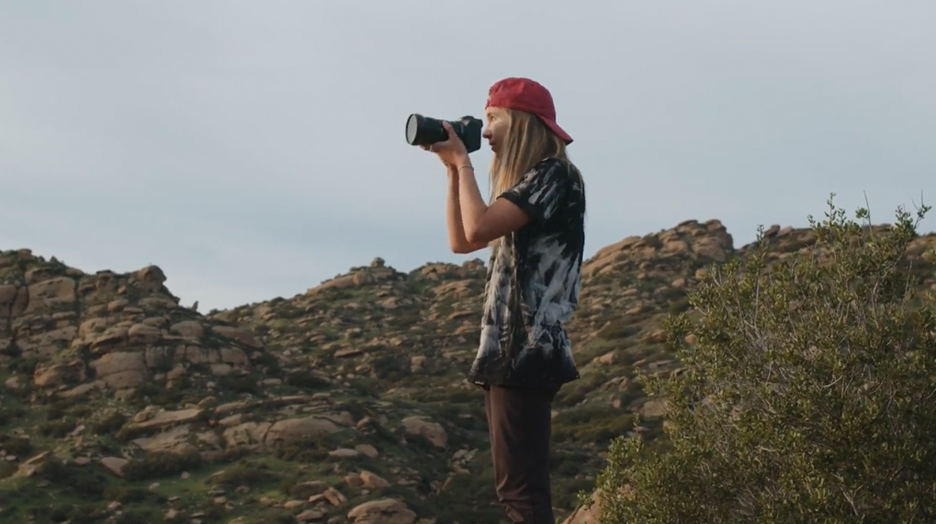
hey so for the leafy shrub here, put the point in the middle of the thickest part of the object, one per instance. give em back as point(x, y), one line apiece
point(808, 397)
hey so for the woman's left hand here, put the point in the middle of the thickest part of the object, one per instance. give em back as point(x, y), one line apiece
point(452, 151)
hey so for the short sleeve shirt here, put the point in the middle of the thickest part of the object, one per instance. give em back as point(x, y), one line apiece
point(534, 279)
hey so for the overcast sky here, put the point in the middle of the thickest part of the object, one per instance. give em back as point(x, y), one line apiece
point(255, 149)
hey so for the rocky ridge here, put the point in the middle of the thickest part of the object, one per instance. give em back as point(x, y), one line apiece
point(346, 403)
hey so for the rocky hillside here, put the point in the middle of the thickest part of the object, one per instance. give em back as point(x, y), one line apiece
point(346, 403)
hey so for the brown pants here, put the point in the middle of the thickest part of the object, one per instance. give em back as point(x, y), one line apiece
point(519, 423)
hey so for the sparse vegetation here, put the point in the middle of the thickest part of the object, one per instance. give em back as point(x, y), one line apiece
point(161, 464)
point(618, 328)
point(591, 425)
point(110, 424)
point(807, 393)
point(243, 415)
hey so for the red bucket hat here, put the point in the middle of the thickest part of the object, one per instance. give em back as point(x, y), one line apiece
point(526, 95)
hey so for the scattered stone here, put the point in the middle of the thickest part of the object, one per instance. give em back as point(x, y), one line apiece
point(308, 489)
point(383, 511)
point(283, 377)
point(15, 384)
point(297, 429)
point(121, 370)
point(432, 431)
point(333, 496)
point(373, 481)
point(581, 515)
point(165, 418)
point(31, 466)
point(59, 374)
point(367, 450)
point(653, 409)
point(114, 465)
point(417, 363)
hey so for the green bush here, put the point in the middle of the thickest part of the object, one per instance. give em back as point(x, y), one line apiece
point(808, 397)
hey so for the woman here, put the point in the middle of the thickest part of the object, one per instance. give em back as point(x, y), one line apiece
point(535, 227)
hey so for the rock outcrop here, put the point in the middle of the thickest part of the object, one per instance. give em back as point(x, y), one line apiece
point(344, 403)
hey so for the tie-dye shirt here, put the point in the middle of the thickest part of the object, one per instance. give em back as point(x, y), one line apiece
point(534, 278)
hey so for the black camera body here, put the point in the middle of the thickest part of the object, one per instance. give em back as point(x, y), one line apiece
point(423, 131)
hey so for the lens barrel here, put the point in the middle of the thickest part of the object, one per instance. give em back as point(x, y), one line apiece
point(423, 131)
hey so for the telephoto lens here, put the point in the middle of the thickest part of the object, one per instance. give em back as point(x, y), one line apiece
point(423, 131)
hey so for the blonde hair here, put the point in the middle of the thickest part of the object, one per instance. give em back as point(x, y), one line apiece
point(526, 143)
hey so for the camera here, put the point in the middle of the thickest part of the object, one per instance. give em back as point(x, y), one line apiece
point(423, 131)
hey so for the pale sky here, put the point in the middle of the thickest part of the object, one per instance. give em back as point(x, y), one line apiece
point(255, 149)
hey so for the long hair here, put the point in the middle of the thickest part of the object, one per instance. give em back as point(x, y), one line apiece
point(526, 142)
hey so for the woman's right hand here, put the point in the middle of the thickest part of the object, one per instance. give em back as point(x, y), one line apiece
point(452, 170)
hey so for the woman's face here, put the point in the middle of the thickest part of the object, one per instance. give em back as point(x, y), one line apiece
point(496, 128)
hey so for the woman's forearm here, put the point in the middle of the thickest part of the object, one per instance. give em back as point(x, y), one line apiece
point(457, 239)
point(471, 203)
